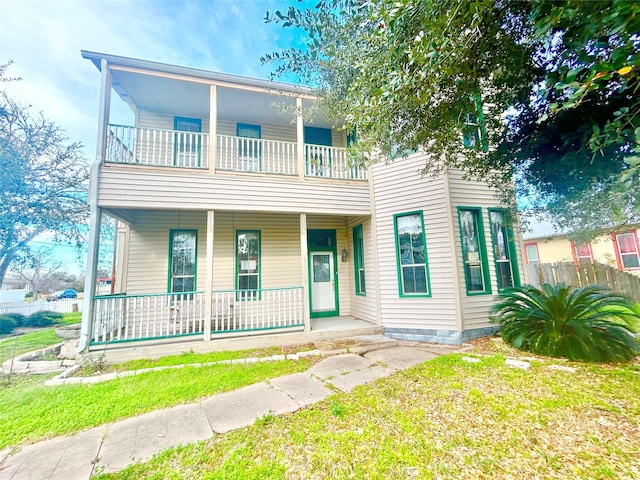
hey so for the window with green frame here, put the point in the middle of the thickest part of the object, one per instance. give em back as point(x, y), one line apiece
point(249, 147)
point(504, 249)
point(248, 258)
point(188, 141)
point(182, 260)
point(358, 260)
point(411, 255)
point(474, 251)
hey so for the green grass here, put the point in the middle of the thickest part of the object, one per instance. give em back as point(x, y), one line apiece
point(446, 418)
point(11, 346)
point(32, 412)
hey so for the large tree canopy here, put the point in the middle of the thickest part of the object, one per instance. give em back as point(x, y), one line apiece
point(42, 184)
point(545, 90)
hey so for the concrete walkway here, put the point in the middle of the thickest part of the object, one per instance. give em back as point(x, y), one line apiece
point(110, 448)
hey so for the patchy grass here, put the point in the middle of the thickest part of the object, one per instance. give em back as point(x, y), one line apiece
point(446, 418)
point(32, 412)
point(12, 346)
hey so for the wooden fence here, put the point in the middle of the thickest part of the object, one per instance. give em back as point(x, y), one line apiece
point(586, 274)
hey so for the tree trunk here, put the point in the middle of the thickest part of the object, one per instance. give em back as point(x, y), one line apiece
point(4, 266)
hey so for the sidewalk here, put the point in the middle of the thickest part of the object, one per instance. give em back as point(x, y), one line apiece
point(110, 448)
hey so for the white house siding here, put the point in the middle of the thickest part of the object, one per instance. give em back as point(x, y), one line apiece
point(157, 188)
point(477, 194)
point(363, 306)
point(399, 188)
point(345, 281)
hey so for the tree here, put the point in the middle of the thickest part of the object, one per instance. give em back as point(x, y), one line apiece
point(546, 90)
point(38, 267)
point(43, 181)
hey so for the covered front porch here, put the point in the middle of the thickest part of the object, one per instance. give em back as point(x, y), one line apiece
point(212, 275)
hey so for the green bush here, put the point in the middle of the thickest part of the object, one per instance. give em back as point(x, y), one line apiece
point(7, 324)
point(590, 323)
point(17, 317)
point(43, 318)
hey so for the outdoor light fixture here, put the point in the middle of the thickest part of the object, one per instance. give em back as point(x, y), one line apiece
point(344, 255)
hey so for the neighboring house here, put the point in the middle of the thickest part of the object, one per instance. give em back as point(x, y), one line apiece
point(619, 249)
point(236, 217)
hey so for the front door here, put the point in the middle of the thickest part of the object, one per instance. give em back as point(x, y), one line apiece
point(323, 279)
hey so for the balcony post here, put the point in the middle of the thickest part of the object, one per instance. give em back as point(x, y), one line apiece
point(208, 289)
point(300, 139)
point(304, 270)
point(213, 128)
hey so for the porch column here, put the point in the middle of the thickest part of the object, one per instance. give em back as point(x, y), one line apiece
point(304, 269)
point(208, 295)
point(300, 139)
point(213, 128)
point(95, 212)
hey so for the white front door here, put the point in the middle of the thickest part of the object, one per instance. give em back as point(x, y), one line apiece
point(323, 298)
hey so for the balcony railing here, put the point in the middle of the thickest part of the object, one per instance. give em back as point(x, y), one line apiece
point(119, 318)
point(172, 148)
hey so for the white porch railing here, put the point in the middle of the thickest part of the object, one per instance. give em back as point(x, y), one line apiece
point(120, 318)
point(172, 148)
point(157, 147)
point(331, 162)
point(242, 154)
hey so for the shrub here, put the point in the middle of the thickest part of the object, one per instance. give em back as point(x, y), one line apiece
point(589, 323)
point(17, 317)
point(43, 318)
point(7, 324)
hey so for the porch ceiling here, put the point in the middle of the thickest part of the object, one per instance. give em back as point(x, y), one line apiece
point(191, 99)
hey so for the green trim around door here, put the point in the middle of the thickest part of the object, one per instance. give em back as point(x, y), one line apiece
point(330, 247)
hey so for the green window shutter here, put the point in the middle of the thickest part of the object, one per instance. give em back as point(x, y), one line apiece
point(358, 260)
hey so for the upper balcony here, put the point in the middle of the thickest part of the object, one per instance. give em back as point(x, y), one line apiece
point(201, 122)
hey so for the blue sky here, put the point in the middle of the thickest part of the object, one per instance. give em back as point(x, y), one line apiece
point(44, 39)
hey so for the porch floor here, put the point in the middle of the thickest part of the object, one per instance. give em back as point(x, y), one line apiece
point(321, 329)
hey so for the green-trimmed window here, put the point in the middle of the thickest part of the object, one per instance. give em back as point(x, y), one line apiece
point(358, 260)
point(188, 141)
point(182, 260)
point(474, 251)
point(248, 258)
point(411, 255)
point(504, 249)
point(249, 147)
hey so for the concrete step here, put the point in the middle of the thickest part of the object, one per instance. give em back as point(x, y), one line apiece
point(355, 344)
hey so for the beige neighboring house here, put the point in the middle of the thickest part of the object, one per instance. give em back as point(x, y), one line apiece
point(236, 217)
point(620, 249)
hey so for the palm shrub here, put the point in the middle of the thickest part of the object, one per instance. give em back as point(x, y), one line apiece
point(589, 323)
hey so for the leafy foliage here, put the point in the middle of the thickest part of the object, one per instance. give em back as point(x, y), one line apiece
point(17, 317)
point(42, 318)
point(42, 183)
point(552, 86)
point(7, 324)
point(588, 323)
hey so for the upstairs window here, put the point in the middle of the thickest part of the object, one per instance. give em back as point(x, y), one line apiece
point(504, 249)
point(474, 131)
point(474, 251)
point(411, 252)
point(358, 260)
point(182, 260)
point(627, 250)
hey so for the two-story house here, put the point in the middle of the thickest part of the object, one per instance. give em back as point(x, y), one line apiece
point(240, 216)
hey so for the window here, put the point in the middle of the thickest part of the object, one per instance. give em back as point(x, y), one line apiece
point(249, 147)
point(581, 252)
point(627, 251)
point(317, 155)
point(411, 255)
point(474, 256)
point(187, 141)
point(248, 264)
point(182, 260)
point(358, 260)
point(504, 249)
point(531, 250)
point(474, 134)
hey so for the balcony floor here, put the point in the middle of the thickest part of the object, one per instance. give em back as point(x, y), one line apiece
point(321, 329)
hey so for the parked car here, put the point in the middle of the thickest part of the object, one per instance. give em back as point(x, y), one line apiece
point(60, 294)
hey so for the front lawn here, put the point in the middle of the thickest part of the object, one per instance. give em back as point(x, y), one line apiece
point(33, 412)
point(447, 418)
